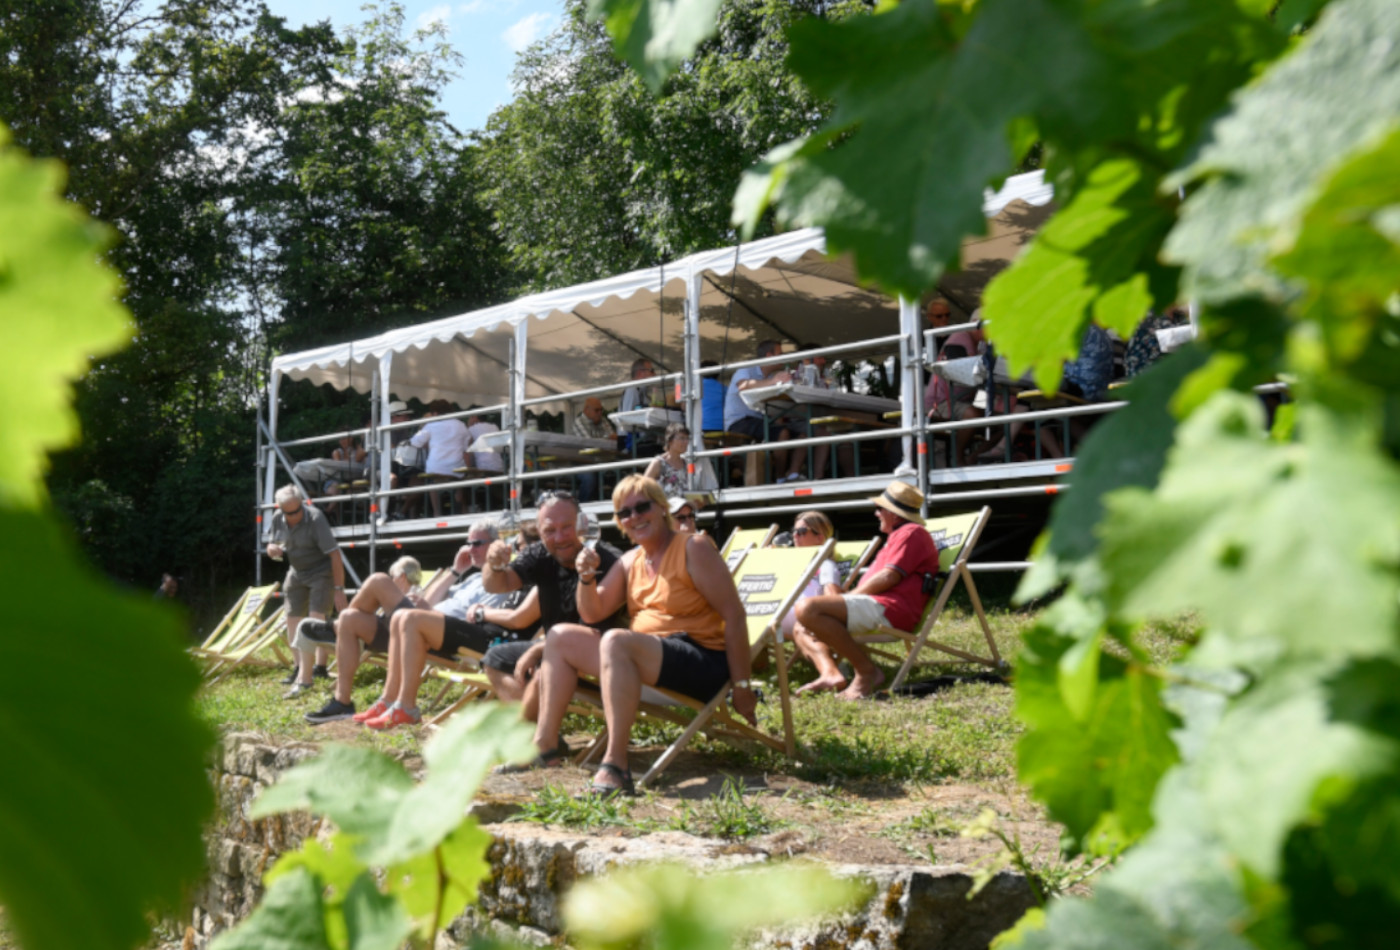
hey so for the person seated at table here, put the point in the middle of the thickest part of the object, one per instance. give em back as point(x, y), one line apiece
point(446, 441)
point(891, 594)
point(817, 377)
point(592, 423)
point(468, 617)
point(688, 631)
point(668, 468)
point(739, 418)
point(812, 529)
point(406, 462)
point(640, 396)
point(711, 400)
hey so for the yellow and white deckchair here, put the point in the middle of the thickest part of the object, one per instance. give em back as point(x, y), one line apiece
point(956, 536)
point(268, 634)
point(770, 580)
point(741, 538)
point(236, 625)
point(851, 558)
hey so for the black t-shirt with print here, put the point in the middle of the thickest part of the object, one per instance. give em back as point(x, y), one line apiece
point(558, 585)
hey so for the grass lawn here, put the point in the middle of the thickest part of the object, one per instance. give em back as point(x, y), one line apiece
point(891, 781)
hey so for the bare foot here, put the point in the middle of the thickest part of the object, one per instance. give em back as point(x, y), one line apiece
point(824, 684)
point(863, 687)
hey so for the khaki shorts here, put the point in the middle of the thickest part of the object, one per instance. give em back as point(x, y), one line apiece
point(307, 594)
point(864, 613)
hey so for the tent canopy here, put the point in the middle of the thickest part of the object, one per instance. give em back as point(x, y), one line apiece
point(784, 287)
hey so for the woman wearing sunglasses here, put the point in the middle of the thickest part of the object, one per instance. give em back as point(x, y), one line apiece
point(809, 530)
point(688, 630)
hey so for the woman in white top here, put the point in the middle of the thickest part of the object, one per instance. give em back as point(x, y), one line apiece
point(811, 529)
point(446, 441)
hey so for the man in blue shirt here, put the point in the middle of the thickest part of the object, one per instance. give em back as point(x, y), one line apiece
point(739, 418)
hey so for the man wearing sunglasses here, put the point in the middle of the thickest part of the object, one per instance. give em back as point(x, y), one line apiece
point(551, 566)
point(315, 575)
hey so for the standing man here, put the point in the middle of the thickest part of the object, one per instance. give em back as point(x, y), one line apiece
point(591, 424)
point(891, 594)
point(315, 576)
point(550, 565)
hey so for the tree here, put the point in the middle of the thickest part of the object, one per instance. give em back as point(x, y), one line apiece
point(588, 175)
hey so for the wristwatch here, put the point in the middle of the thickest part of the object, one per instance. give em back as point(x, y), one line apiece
point(338, 587)
point(456, 574)
point(742, 684)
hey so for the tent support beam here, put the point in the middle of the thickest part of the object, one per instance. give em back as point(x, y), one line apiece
point(619, 340)
point(745, 304)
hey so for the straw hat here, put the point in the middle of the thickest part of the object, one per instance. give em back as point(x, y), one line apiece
point(901, 499)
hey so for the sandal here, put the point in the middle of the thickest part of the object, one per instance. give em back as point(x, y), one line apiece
point(624, 784)
point(545, 760)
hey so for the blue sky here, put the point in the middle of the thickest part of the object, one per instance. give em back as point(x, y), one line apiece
point(487, 33)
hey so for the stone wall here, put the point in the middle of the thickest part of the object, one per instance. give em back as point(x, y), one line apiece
point(533, 867)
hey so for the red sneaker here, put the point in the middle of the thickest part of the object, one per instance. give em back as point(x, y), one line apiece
point(379, 708)
point(394, 717)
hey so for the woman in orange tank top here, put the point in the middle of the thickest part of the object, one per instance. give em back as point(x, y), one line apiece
point(688, 630)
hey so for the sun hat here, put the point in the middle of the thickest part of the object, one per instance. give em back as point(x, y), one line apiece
point(397, 406)
point(901, 499)
point(678, 502)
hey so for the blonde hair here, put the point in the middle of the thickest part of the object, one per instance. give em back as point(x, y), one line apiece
point(409, 568)
point(649, 487)
point(818, 522)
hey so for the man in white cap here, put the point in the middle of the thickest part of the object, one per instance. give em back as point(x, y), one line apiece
point(891, 594)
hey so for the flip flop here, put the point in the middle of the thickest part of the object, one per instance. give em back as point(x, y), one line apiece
point(624, 786)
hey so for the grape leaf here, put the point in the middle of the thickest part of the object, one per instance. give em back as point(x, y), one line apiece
point(932, 96)
point(1091, 261)
point(358, 789)
point(1293, 544)
point(61, 310)
point(336, 869)
point(1255, 795)
point(681, 910)
point(109, 827)
point(444, 879)
point(457, 758)
point(1350, 257)
point(1096, 774)
point(655, 36)
point(373, 921)
point(1265, 157)
point(287, 918)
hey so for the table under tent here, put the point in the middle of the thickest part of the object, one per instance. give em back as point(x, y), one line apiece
point(549, 352)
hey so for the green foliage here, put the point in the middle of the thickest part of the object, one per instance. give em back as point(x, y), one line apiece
point(112, 828)
point(734, 815)
point(655, 38)
point(60, 310)
point(666, 906)
point(555, 805)
point(432, 858)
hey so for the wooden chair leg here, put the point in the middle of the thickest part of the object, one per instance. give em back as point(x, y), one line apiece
point(696, 724)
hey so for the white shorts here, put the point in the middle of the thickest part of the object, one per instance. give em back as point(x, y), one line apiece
point(864, 613)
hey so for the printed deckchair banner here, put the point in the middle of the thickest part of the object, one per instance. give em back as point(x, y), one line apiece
point(766, 579)
point(950, 534)
point(744, 538)
point(846, 554)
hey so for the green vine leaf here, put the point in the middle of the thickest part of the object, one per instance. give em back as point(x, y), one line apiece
point(680, 910)
point(61, 309)
point(444, 880)
point(288, 917)
point(1261, 168)
point(1291, 545)
point(373, 921)
point(1096, 772)
point(357, 788)
point(655, 36)
point(1094, 260)
point(336, 870)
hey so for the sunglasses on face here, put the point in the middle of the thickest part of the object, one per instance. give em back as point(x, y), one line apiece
point(640, 508)
point(293, 513)
point(477, 543)
point(689, 518)
point(802, 531)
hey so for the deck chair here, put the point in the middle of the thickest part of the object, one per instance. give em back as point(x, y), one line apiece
point(741, 538)
point(268, 634)
point(851, 558)
point(237, 623)
point(956, 537)
point(770, 580)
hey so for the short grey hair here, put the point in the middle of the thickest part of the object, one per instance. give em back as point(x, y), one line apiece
point(408, 567)
point(489, 526)
point(285, 494)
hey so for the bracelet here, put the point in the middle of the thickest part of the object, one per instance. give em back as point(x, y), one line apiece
point(741, 684)
point(456, 574)
point(588, 581)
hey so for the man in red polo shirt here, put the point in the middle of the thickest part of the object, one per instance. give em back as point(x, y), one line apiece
point(891, 594)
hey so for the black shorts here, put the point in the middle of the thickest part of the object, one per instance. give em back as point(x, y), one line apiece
point(690, 669)
point(504, 656)
point(476, 637)
point(751, 426)
point(380, 643)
